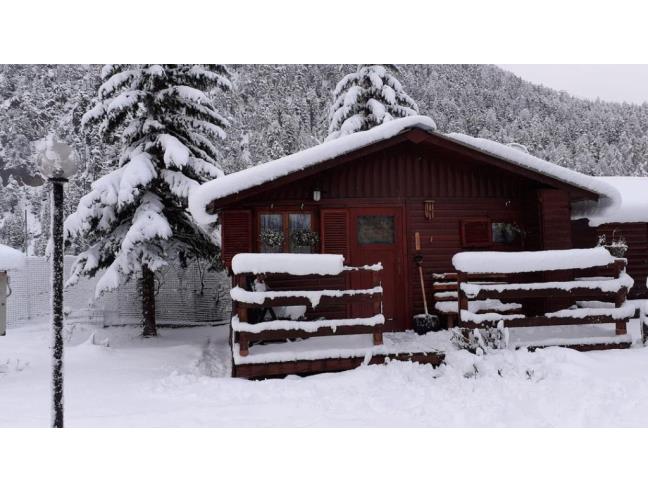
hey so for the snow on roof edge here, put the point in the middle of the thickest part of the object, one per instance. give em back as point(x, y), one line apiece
point(239, 181)
point(268, 171)
point(631, 207)
point(536, 164)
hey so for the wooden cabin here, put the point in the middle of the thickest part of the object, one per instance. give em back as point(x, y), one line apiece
point(377, 196)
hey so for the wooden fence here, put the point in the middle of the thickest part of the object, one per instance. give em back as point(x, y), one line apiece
point(608, 284)
point(247, 304)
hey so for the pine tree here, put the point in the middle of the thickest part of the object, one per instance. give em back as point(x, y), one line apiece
point(368, 97)
point(135, 217)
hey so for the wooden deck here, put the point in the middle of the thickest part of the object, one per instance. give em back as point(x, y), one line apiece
point(317, 344)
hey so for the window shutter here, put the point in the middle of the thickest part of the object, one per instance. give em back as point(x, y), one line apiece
point(236, 234)
point(476, 232)
point(334, 235)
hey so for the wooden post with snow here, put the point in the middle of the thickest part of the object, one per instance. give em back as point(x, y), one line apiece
point(462, 301)
point(620, 298)
point(377, 308)
point(242, 313)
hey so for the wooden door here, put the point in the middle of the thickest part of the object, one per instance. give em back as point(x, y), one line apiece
point(376, 235)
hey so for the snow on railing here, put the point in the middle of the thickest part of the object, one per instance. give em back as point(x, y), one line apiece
point(530, 261)
point(294, 264)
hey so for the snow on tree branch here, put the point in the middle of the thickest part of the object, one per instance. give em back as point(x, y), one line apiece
point(367, 98)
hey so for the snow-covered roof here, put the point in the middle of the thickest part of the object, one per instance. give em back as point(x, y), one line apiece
point(525, 160)
point(631, 207)
point(269, 171)
point(10, 259)
point(237, 182)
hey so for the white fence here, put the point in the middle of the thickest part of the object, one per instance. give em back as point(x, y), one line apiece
point(180, 299)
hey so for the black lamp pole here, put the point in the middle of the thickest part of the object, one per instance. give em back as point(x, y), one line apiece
point(57, 300)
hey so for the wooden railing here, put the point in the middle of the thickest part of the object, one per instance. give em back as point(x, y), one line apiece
point(608, 284)
point(446, 306)
point(245, 332)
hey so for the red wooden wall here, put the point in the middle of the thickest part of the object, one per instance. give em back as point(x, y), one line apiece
point(635, 234)
point(408, 174)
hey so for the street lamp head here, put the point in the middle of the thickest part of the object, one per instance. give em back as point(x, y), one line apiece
point(56, 159)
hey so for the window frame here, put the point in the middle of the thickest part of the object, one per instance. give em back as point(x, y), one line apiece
point(491, 243)
point(285, 213)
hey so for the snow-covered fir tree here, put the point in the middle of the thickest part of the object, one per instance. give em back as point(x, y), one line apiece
point(366, 98)
point(135, 217)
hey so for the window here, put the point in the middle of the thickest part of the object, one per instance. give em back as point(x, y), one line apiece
point(287, 232)
point(506, 233)
point(271, 236)
point(299, 223)
point(476, 232)
point(375, 229)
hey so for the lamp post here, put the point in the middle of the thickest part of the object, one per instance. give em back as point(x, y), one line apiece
point(57, 161)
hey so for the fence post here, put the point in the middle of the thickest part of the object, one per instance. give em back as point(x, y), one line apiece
point(377, 309)
point(242, 313)
point(462, 303)
point(621, 328)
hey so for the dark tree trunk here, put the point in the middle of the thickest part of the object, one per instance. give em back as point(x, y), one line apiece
point(148, 303)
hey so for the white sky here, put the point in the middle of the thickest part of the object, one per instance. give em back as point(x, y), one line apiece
point(620, 83)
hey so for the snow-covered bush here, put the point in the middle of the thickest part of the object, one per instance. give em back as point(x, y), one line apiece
point(481, 341)
point(366, 98)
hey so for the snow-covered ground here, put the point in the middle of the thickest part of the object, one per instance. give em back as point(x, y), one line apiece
point(181, 379)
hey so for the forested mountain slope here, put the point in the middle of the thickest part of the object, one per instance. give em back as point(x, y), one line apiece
point(278, 109)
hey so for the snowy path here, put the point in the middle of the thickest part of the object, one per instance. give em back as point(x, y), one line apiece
point(179, 380)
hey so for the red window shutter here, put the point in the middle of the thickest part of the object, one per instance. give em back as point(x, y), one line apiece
point(334, 235)
point(476, 232)
point(236, 234)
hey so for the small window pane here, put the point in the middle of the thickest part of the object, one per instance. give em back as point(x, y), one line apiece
point(505, 233)
point(299, 222)
point(375, 229)
point(271, 233)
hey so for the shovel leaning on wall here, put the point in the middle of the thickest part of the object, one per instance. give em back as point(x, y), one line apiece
point(426, 322)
